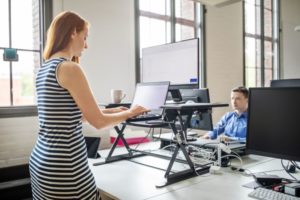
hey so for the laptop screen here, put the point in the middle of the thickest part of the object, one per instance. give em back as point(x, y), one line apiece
point(151, 96)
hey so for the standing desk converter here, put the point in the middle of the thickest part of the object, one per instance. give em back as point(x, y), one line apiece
point(173, 113)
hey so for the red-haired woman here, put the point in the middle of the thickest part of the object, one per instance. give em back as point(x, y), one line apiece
point(58, 163)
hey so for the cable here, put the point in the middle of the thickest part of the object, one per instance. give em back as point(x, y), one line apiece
point(295, 164)
point(287, 171)
point(143, 139)
point(170, 145)
point(236, 156)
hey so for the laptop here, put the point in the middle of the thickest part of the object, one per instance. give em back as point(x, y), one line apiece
point(151, 95)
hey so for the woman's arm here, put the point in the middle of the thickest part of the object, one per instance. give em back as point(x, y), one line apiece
point(114, 110)
point(71, 77)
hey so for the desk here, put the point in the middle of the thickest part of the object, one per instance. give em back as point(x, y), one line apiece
point(173, 112)
point(129, 181)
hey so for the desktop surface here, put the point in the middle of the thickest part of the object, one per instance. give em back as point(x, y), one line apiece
point(128, 180)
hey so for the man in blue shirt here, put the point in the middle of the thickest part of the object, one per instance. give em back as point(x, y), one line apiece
point(233, 125)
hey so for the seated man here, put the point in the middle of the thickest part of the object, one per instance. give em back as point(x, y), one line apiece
point(233, 125)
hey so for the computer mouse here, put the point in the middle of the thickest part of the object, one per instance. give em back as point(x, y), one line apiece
point(189, 102)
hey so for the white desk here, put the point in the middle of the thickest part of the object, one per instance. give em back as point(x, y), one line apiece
point(127, 180)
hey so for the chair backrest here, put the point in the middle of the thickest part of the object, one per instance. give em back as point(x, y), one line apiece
point(92, 144)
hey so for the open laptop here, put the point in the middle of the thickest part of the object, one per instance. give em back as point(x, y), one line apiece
point(151, 95)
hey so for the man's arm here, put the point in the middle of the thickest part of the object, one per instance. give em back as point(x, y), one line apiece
point(218, 129)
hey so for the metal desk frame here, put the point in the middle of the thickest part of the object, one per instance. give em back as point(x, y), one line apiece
point(173, 112)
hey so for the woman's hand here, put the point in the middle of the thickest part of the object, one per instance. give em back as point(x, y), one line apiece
point(137, 110)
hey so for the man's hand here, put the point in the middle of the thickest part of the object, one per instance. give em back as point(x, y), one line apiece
point(205, 136)
point(223, 138)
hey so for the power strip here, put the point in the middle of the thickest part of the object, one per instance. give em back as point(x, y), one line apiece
point(215, 169)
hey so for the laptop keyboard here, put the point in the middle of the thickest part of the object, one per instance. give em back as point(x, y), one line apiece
point(145, 117)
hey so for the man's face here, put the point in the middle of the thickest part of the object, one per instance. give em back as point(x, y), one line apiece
point(239, 102)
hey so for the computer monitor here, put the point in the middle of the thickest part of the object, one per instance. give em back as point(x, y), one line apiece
point(201, 121)
point(285, 83)
point(273, 122)
point(197, 95)
point(175, 62)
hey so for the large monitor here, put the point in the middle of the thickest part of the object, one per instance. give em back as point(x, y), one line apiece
point(285, 83)
point(175, 62)
point(273, 122)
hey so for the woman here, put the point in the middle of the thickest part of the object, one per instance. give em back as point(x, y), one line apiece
point(58, 164)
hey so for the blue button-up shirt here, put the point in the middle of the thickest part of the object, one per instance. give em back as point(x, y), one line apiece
point(231, 125)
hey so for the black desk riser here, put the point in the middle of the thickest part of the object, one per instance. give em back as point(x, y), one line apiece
point(173, 112)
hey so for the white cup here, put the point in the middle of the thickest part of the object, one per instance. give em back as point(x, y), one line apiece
point(116, 96)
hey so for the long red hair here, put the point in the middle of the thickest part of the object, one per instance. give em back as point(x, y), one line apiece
point(60, 31)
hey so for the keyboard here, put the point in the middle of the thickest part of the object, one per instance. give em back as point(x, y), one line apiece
point(267, 194)
point(144, 117)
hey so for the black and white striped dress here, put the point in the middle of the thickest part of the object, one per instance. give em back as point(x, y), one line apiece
point(58, 163)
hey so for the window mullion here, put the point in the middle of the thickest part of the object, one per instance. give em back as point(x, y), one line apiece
point(262, 43)
point(173, 21)
point(10, 63)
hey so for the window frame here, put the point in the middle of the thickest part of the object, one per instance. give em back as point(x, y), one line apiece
point(199, 33)
point(276, 72)
point(46, 10)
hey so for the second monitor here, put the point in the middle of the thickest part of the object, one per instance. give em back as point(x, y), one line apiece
point(201, 121)
point(175, 62)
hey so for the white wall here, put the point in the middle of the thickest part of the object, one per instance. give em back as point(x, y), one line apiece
point(17, 137)
point(224, 53)
point(109, 61)
point(290, 40)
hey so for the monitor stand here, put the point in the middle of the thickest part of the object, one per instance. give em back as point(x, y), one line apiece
point(176, 95)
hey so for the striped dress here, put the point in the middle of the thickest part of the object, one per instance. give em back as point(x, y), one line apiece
point(58, 163)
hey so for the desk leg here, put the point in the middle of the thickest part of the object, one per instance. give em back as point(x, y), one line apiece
point(184, 174)
point(120, 136)
point(110, 158)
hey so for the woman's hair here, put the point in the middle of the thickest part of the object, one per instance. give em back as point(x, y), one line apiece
point(60, 31)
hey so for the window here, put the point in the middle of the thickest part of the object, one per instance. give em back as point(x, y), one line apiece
point(23, 25)
point(21, 32)
point(165, 21)
point(261, 42)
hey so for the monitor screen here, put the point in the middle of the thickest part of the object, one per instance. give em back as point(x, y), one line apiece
point(175, 62)
point(273, 122)
point(197, 95)
point(285, 83)
point(151, 95)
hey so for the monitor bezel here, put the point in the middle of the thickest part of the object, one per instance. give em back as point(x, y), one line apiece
point(249, 147)
point(285, 83)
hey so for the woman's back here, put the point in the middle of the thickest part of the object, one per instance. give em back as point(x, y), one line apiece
point(58, 164)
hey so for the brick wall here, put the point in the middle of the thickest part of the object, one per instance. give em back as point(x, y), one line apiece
point(18, 136)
